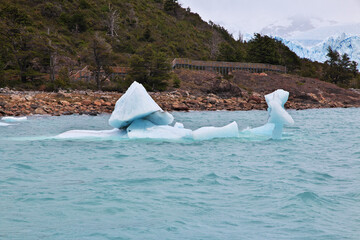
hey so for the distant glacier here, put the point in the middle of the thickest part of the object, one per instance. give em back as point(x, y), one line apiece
point(342, 43)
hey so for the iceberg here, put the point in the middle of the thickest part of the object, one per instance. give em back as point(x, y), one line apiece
point(137, 116)
point(13, 119)
point(142, 128)
point(80, 134)
point(278, 116)
point(4, 124)
point(206, 133)
point(136, 103)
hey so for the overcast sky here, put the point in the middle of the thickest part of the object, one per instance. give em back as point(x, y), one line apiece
point(278, 17)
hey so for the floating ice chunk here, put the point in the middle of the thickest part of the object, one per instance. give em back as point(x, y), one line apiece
point(276, 110)
point(4, 124)
point(80, 134)
point(281, 96)
point(266, 130)
point(160, 118)
point(141, 128)
point(207, 133)
point(278, 117)
point(136, 103)
point(178, 125)
point(13, 119)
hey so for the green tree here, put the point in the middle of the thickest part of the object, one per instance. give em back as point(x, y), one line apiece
point(138, 70)
point(76, 22)
point(262, 49)
point(3, 64)
point(159, 72)
point(21, 43)
point(170, 5)
point(150, 68)
point(230, 53)
point(340, 69)
point(147, 35)
point(22, 46)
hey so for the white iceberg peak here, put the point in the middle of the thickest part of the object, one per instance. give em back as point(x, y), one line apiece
point(136, 103)
point(278, 116)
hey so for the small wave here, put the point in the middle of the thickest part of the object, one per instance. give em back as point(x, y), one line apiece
point(308, 196)
point(22, 166)
point(322, 176)
point(153, 159)
point(120, 155)
point(235, 178)
point(210, 179)
point(72, 182)
point(146, 180)
point(168, 168)
point(312, 198)
point(212, 175)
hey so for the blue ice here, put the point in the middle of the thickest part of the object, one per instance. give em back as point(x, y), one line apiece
point(137, 115)
point(278, 116)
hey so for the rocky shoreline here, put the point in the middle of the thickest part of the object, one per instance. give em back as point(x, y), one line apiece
point(24, 103)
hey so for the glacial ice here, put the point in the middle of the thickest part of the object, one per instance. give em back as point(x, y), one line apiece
point(136, 103)
point(205, 133)
point(142, 128)
point(13, 119)
point(79, 134)
point(160, 118)
point(342, 43)
point(278, 117)
point(138, 116)
point(264, 130)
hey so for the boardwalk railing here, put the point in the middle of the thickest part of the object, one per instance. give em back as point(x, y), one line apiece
point(225, 67)
point(86, 75)
point(221, 67)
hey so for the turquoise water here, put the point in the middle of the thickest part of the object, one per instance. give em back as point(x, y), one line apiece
point(306, 186)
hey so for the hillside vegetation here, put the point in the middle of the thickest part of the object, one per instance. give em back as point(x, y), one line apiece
point(43, 42)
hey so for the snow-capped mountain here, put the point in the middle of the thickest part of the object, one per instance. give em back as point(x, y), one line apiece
point(343, 44)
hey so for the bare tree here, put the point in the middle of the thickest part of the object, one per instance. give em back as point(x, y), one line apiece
point(214, 45)
point(52, 57)
point(100, 57)
point(241, 37)
point(52, 66)
point(112, 21)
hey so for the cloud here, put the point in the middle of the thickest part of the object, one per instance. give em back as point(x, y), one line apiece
point(250, 16)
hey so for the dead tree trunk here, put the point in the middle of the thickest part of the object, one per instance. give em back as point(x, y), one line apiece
point(112, 21)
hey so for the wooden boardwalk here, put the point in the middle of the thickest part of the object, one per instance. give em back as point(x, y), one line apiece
point(221, 67)
point(86, 75)
point(225, 67)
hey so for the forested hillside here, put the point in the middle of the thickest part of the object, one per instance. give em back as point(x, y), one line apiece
point(43, 42)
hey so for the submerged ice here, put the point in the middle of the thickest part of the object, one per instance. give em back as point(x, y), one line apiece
point(4, 124)
point(137, 115)
point(6, 121)
point(13, 119)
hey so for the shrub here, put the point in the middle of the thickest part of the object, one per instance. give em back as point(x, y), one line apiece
point(176, 81)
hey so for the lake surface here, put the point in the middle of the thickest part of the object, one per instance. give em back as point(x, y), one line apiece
point(306, 186)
